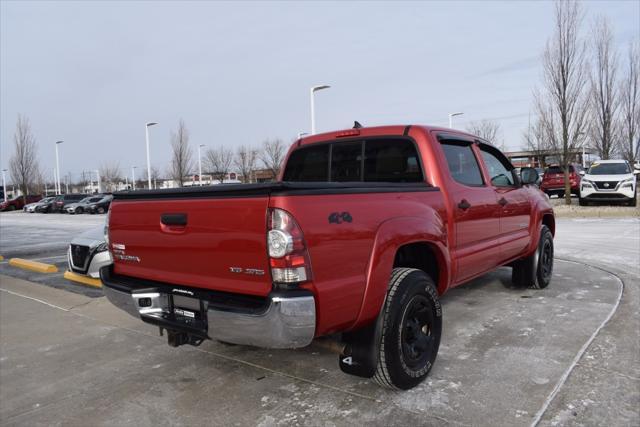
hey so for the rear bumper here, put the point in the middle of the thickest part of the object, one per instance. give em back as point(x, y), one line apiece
point(287, 319)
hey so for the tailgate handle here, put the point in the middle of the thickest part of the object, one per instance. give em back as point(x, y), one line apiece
point(178, 219)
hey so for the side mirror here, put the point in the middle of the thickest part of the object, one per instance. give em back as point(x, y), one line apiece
point(529, 176)
point(581, 173)
point(636, 172)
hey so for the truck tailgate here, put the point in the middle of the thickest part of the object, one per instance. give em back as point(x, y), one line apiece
point(220, 237)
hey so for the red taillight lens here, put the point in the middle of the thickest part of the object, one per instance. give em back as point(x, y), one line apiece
point(289, 258)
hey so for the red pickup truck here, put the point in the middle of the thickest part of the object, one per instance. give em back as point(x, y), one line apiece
point(362, 234)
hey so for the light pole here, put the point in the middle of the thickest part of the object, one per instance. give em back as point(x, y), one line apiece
point(58, 168)
point(4, 185)
point(451, 116)
point(200, 164)
point(133, 177)
point(146, 128)
point(312, 91)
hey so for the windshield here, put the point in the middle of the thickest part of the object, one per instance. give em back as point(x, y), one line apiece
point(85, 200)
point(609, 169)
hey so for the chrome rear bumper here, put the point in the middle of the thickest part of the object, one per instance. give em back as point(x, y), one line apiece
point(287, 320)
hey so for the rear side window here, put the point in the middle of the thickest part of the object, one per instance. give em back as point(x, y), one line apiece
point(385, 160)
point(462, 163)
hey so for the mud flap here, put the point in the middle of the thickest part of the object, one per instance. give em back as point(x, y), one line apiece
point(360, 357)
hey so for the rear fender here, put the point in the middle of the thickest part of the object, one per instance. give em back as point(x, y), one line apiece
point(391, 235)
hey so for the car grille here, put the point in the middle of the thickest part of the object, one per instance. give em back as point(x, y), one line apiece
point(606, 196)
point(606, 185)
point(80, 257)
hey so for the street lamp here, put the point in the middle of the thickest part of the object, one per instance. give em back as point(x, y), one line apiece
point(133, 176)
point(4, 185)
point(146, 128)
point(451, 116)
point(313, 90)
point(58, 168)
point(200, 164)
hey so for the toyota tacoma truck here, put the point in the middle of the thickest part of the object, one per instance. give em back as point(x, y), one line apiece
point(362, 234)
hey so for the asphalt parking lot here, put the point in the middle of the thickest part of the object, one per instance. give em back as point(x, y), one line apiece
point(569, 354)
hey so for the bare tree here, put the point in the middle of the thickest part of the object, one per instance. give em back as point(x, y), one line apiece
point(24, 162)
point(111, 175)
point(562, 104)
point(272, 155)
point(219, 162)
point(485, 129)
point(181, 162)
point(536, 141)
point(630, 106)
point(245, 162)
point(603, 95)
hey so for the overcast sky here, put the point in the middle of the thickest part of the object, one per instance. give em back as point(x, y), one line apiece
point(92, 73)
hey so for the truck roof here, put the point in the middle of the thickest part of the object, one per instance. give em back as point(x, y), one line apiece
point(375, 131)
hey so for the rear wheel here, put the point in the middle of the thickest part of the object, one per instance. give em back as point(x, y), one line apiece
point(411, 330)
point(535, 271)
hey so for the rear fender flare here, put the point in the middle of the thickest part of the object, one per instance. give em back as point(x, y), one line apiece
point(390, 236)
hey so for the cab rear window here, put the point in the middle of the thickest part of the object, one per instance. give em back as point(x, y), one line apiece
point(375, 160)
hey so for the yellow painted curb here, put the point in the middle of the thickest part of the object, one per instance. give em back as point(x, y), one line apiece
point(85, 280)
point(39, 267)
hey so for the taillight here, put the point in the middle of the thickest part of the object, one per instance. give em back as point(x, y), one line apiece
point(288, 255)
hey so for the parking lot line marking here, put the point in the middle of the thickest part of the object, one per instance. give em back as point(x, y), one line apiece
point(79, 278)
point(39, 267)
point(582, 350)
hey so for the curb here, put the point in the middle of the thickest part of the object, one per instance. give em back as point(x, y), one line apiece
point(84, 280)
point(36, 266)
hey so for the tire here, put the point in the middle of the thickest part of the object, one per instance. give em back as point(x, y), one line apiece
point(582, 202)
point(411, 330)
point(535, 271)
point(79, 211)
point(100, 210)
point(11, 208)
point(634, 202)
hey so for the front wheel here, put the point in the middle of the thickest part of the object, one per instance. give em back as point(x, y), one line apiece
point(535, 271)
point(411, 330)
point(79, 211)
point(582, 202)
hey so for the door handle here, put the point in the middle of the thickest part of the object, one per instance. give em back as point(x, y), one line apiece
point(503, 202)
point(174, 219)
point(464, 205)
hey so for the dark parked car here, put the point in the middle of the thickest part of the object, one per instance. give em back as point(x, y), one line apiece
point(18, 203)
point(63, 200)
point(100, 207)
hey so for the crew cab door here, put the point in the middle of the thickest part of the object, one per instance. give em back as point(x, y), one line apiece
point(475, 211)
point(513, 200)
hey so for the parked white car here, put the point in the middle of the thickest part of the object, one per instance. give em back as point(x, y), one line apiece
point(608, 181)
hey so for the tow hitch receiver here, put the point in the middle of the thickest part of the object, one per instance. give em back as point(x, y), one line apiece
point(177, 338)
